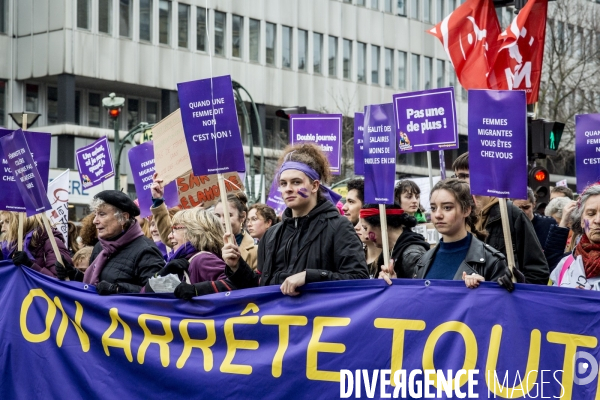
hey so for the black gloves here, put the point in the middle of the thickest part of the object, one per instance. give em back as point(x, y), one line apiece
point(176, 266)
point(105, 288)
point(21, 258)
point(67, 271)
point(185, 291)
point(506, 279)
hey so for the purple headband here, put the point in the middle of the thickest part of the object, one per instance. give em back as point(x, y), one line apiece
point(312, 174)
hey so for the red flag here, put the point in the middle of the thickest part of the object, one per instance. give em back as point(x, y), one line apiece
point(470, 37)
point(522, 50)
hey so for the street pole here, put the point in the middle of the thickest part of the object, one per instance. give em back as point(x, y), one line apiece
point(117, 154)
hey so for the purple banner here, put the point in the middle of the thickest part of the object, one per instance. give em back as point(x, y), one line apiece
point(28, 179)
point(426, 120)
point(141, 160)
point(211, 126)
point(498, 143)
point(94, 163)
point(587, 149)
point(39, 146)
point(324, 130)
point(274, 200)
point(379, 150)
point(359, 159)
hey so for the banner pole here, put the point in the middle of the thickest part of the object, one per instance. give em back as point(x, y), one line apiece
point(223, 193)
point(384, 235)
point(510, 255)
point(21, 215)
point(430, 168)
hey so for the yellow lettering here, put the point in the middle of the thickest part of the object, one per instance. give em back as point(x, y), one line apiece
point(50, 314)
point(470, 349)
point(315, 347)
point(124, 343)
point(84, 340)
point(571, 342)
point(284, 322)
point(233, 344)
point(202, 344)
point(399, 326)
point(533, 362)
point(162, 340)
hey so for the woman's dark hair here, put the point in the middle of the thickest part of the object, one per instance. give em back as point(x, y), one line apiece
point(394, 221)
point(88, 232)
point(462, 193)
point(309, 154)
point(406, 186)
point(265, 211)
point(239, 201)
point(73, 233)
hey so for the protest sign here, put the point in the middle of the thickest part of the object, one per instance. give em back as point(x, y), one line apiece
point(324, 130)
point(29, 182)
point(359, 159)
point(95, 163)
point(298, 347)
point(58, 196)
point(587, 149)
point(274, 200)
point(141, 160)
point(379, 151)
point(39, 146)
point(211, 127)
point(172, 160)
point(204, 190)
point(498, 141)
point(426, 120)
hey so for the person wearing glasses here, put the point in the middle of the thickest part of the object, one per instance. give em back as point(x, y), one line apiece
point(529, 256)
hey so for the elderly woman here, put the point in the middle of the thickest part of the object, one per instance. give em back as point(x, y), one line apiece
point(581, 269)
point(124, 259)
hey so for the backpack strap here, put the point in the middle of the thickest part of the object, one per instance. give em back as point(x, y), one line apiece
point(565, 267)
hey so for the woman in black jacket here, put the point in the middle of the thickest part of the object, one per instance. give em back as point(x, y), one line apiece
point(460, 254)
point(313, 242)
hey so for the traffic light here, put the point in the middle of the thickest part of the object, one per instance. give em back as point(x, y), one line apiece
point(552, 134)
point(285, 112)
point(539, 181)
point(113, 113)
point(543, 137)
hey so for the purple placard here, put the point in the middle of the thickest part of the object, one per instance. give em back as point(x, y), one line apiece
point(324, 130)
point(27, 177)
point(359, 160)
point(141, 160)
point(211, 126)
point(379, 150)
point(39, 146)
point(426, 120)
point(587, 149)
point(498, 143)
point(94, 163)
point(274, 200)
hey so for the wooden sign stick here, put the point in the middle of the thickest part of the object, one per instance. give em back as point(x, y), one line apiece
point(510, 255)
point(384, 235)
point(223, 193)
point(21, 215)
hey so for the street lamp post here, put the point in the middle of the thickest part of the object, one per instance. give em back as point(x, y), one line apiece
point(17, 117)
point(114, 105)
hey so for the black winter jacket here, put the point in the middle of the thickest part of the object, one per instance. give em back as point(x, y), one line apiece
point(408, 249)
point(481, 259)
point(326, 247)
point(529, 256)
point(131, 266)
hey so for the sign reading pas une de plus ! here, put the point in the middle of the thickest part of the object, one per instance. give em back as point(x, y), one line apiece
point(211, 126)
point(498, 143)
point(324, 130)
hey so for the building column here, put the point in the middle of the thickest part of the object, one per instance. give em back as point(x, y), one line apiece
point(66, 99)
point(169, 102)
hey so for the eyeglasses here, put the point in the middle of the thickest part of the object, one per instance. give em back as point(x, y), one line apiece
point(176, 228)
point(461, 176)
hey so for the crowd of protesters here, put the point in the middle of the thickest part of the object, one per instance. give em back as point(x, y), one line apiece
point(316, 239)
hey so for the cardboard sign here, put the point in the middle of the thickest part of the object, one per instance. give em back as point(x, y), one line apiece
point(171, 156)
point(204, 190)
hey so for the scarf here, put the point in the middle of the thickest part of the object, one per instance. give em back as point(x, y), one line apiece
point(185, 250)
point(590, 253)
point(109, 247)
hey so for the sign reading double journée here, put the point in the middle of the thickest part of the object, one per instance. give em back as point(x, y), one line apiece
point(587, 149)
point(379, 151)
point(426, 120)
point(29, 182)
point(141, 160)
point(94, 163)
point(39, 146)
point(498, 143)
point(359, 159)
point(211, 126)
point(324, 130)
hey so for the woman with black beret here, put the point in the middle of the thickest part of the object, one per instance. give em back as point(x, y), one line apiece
point(124, 259)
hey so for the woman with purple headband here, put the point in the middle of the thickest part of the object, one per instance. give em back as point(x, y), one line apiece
point(313, 243)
